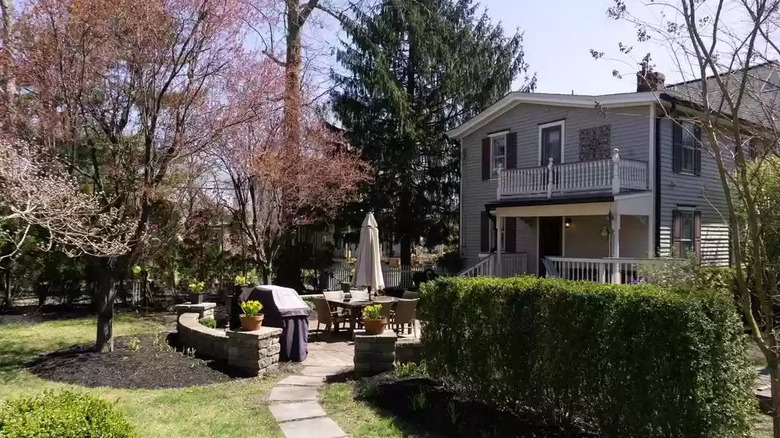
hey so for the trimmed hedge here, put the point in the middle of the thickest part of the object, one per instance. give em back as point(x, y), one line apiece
point(636, 361)
point(62, 415)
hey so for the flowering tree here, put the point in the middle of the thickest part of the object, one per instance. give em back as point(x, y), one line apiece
point(123, 92)
point(274, 186)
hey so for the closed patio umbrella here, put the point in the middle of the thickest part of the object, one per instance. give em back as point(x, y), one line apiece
point(368, 271)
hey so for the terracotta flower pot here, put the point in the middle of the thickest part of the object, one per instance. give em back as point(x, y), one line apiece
point(251, 323)
point(375, 326)
point(196, 298)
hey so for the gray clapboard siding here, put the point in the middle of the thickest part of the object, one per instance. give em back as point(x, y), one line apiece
point(704, 192)
point(630, 132)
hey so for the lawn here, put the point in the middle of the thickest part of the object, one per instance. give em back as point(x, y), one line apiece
point(235, 408)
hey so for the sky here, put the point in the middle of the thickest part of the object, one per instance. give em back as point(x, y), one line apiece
point(558, 36)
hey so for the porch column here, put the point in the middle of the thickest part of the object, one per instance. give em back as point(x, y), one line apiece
point(650, 236)
point(615, 247)
point(499, 244)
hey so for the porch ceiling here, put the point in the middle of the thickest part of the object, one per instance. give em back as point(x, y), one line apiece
point(639, 204)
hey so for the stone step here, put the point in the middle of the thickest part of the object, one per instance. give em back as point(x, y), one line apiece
point(296, 411)
point(303, 381)
point(313, 428)
point(293, 393)
point(322, 371)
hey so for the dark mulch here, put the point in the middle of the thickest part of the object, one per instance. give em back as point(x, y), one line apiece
point(428, 407)
point(141, 361)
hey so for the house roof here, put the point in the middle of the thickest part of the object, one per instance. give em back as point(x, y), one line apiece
point(571, 100)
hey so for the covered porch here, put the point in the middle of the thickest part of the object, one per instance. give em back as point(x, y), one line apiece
point(603, 239)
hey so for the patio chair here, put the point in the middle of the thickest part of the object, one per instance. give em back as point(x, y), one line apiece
point(359, 295)
point(325, 315)
point(405, 313)
point(409, 295)
point(333, 295)
point(387, 309)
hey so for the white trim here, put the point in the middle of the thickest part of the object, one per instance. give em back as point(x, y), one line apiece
point(538, 256)
point(651, 182)
point(493, 173)
point(499, 133)
point(562, 124)
point(570, 100)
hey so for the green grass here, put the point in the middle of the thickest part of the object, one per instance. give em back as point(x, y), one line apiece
point(358, 418)
point(237, 408)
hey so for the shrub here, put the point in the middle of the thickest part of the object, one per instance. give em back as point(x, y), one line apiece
point(209, 322)
point(62, 415)
point(637, 361)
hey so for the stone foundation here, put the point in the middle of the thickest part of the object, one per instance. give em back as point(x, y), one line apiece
point(255, 352)
point(204, 310)
point(374, 354)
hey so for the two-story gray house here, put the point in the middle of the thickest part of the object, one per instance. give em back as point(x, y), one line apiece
point(588, 187)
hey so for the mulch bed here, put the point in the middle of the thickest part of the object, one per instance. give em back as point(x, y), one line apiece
point(142, 361)
point(427, 406)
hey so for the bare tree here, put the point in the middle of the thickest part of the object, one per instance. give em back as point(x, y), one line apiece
point(725, 52)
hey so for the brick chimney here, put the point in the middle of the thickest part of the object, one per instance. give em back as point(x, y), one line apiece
point(648, 80)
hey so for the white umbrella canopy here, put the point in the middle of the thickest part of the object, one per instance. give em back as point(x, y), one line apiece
point(368, 270)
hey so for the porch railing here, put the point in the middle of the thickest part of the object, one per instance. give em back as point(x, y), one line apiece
point(512, 264)
point(601, 175)
point(604, 270)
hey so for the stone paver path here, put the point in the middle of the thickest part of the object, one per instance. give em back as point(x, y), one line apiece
point(294, 400)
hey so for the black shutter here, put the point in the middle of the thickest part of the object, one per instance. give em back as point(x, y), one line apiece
point(697, 151)
point(676, 146)
point(486, 158)
point(676, 233)
point(510, 234)
point(697, 233)
point(511, 150)
point(484, 232)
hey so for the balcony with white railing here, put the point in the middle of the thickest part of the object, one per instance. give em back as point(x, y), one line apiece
point(601, 176)
point(601, 270)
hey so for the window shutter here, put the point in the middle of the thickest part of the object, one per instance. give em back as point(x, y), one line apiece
point(510, 234)
point(485, 158)
point(511, 150)
point(676, 147)
point(697, 151)
point(697, 232)
point(484, 232)
point(676, 233)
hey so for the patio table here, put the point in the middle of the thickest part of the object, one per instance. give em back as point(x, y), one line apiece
point(356, 308)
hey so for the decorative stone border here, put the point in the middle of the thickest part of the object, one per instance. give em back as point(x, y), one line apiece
point(204, 310)
point(374, 354)
point(252, 353)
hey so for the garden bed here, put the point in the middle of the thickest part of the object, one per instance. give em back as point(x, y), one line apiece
point(429, 409)
point(142, 361)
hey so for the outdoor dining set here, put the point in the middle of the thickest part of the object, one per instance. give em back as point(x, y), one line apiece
point(335, 309)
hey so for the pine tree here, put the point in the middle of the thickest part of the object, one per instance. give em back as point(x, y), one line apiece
point(414, 70)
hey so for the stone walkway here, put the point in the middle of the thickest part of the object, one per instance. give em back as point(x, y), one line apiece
point(294, 400)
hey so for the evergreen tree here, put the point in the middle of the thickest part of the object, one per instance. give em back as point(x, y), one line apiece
point(412, 71)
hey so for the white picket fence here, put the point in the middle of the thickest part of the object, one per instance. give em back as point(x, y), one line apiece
point(394, 277)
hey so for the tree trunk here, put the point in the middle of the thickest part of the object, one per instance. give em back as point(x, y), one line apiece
point(106, 294)
point(774, 373)
point(292, 86)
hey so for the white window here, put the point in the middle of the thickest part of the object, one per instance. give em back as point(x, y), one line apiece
point(497, 154)
point(551, 137)
point(687, 232)
point(689, 144)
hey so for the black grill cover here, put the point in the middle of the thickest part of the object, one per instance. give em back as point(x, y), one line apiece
point(282, 308)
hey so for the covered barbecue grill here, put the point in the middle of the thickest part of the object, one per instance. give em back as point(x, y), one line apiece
point(282, 308)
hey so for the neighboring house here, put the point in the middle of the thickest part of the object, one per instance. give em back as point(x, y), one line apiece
point(586, 187)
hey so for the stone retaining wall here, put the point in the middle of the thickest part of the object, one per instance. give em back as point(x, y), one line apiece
point(374, 354)
point(408, 350)
point(252, 353)
point(204, 310)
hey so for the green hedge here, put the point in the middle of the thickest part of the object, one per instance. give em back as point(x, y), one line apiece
point(62, 415)
point(636, 361)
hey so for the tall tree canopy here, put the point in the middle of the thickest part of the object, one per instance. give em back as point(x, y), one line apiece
point(413, 70)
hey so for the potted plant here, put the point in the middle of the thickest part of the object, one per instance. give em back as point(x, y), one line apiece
point(251, 319)
point(196, 291)
point(373, 320)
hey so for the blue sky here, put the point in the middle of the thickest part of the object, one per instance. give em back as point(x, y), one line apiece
point(558, 36)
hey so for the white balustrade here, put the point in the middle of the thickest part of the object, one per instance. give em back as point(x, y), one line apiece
point(612, 175)
point(512, 264)
point(603, 270)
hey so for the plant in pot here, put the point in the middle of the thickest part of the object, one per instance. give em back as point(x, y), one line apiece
point(196, 291)
point(373, 320)
point(251, 319)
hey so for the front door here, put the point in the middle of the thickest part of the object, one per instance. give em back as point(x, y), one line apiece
point(550, 239)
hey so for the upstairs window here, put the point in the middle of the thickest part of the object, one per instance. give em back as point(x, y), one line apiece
point(686, 147)
point(497, 154)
